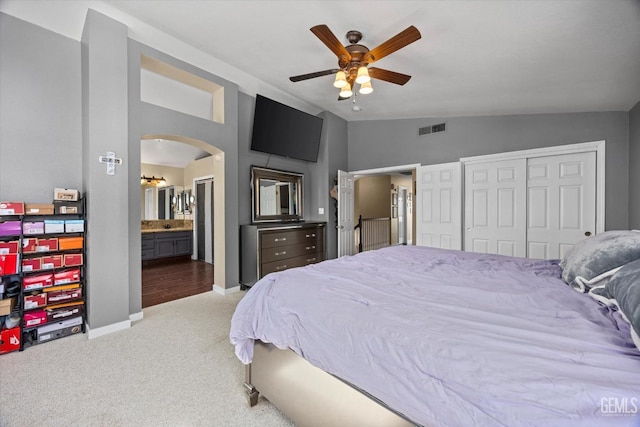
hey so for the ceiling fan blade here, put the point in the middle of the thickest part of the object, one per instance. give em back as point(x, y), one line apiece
point(313, 75)
point(396, 42)
point(331, 41)
point(388, 76)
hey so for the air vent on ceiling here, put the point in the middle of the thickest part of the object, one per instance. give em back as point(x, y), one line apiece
point(440, 127)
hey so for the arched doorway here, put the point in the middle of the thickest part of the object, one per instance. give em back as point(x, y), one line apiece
point(211, 166)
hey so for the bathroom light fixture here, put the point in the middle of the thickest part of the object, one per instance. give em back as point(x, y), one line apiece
point(145, 180)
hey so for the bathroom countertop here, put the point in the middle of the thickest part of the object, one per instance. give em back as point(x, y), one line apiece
point(164, 230)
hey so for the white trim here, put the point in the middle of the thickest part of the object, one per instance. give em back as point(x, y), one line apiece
point(538, 152)
point(386, 169)
point(109, 329)
point(136, 316)
point(597, 146)
point(226, 291)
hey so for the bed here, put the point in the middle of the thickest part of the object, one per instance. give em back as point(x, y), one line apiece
point(411, 335)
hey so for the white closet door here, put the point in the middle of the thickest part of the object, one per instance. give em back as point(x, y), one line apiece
point(495, 207)
point(439, 206)
point(561, 197)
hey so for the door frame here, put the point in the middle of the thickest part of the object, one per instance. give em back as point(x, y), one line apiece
point(597, 146)
point(380, 171)
point(194, 254)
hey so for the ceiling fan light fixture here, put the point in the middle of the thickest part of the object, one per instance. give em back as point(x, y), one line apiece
point(341, 80)
point(346, 91)
point(366, 88)
point(363, 75)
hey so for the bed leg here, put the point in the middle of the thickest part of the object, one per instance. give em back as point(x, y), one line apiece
point(252, 392)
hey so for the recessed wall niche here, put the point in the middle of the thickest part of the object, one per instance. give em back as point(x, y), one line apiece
point(170, 87)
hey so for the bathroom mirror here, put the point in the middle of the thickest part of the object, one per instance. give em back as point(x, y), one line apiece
point(276, 195)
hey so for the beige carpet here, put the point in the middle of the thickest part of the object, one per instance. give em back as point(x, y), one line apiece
point(174, 368)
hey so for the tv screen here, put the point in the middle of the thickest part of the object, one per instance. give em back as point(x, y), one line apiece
point(284, 131)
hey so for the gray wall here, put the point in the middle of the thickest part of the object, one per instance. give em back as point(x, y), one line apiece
point(634, 169)
point(246, 158)
point(334, 154)
point(40, 112)
point(318, 176)
point(146, 118)
point(104, 128)
point(375, 144)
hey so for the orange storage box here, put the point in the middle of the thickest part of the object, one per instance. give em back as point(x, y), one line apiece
point(65, 243)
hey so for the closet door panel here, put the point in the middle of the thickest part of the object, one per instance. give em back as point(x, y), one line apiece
point(495, 207)
point(439, 206)
point(561, 193)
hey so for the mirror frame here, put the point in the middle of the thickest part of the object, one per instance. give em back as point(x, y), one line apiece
point(258, 173)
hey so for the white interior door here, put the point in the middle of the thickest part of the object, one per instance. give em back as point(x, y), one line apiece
point(439, 206)
point(495, 207)
point(561, 198)
point(346, 244)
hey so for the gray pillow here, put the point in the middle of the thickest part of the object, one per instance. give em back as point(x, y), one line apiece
point(624, 287)
point(599, 254)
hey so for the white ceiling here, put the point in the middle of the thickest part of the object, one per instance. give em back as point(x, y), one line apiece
point(476, 57)
point(169, 153)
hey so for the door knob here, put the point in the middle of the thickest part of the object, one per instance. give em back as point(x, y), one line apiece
point(587, 233)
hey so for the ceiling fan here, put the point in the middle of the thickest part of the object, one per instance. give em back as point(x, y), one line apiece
point(354, 60)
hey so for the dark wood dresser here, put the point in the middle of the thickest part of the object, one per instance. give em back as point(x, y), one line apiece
point(266, 248)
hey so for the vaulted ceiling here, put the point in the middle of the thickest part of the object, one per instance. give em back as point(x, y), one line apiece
point(475, 57)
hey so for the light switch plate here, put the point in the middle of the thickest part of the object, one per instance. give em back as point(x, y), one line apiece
point(320, 211)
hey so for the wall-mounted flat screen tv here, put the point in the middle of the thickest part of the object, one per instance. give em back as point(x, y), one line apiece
point(284, 131)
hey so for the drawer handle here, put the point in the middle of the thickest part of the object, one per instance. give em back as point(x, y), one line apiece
point(280, 240)
point(281, 267)
point(311, 235)
point(280, 253)
point(310, 247)
point(311, 259)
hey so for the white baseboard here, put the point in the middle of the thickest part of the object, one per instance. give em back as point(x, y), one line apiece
point(136, 316)
point(225, 291)
point(109, 329)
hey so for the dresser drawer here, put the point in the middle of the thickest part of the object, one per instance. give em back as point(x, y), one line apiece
point(290, 251)
point(289, 237)
point(284, 264)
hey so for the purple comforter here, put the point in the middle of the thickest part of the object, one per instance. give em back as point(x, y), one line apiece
point(452, 338)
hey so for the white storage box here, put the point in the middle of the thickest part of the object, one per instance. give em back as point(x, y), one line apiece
point(74, 226)
point(54, 226)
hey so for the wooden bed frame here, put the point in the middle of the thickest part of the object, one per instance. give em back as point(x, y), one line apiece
point(308, 396)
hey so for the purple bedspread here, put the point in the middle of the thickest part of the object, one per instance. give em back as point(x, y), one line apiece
point(451, 338)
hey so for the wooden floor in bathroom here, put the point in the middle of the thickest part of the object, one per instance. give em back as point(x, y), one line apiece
point(170, 280)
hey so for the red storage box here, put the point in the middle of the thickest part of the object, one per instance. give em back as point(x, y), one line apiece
point(35, 318)
point(71, 260)
point(11, 208)
point(37, 281)
point(8, 264)
point(29, 244)
point(64, 296)
point(65, 243)
point(67, 276)
point(9, 247)
point(31, 264)
point(9, 228)
point(47, 245)
point(35, 301)
point(52, 261)
point(9, 340)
